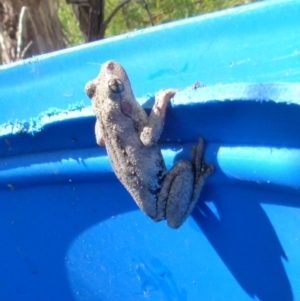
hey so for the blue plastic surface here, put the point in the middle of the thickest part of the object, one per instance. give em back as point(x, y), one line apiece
point(68, 228)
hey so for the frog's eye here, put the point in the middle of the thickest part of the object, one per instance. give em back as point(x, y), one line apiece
point(116, 85)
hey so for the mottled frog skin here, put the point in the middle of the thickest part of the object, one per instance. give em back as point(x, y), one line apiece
point(130, 137)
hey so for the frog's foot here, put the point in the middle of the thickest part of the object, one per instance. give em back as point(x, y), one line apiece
point(163, 97)
point(201, 169)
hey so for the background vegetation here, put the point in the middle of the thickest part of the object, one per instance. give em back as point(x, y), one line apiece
point(138, 14)
point(33, 27)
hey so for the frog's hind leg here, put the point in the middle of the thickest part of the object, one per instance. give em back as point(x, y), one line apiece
point(176, 193)
point(182, 186)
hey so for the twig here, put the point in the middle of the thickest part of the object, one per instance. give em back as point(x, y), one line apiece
point(21, 26)
point(25, 49)
point(4, 53)
point(114, 11)
point(148, 11)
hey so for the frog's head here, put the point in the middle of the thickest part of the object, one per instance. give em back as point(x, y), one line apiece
point(112, 84)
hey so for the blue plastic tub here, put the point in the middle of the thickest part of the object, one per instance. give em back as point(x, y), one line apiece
point(69, 229)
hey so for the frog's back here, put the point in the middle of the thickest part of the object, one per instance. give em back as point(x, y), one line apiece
point(140, 168)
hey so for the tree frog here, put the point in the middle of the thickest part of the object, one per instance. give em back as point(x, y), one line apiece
point(131, 140)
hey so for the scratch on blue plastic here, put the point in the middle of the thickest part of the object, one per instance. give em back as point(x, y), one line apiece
point(35, 124)
point(287, 93)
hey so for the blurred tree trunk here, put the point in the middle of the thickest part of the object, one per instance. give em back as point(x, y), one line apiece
point(27, 28)
point(90, 15)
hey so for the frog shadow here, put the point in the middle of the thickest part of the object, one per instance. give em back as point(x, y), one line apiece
point(231, 216)
point(241, 233)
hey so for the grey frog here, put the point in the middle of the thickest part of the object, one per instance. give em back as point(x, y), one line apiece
point(130, 137)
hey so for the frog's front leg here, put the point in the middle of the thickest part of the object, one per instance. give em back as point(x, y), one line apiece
point(181, 188)
point(99, 134)
point(154, 127)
